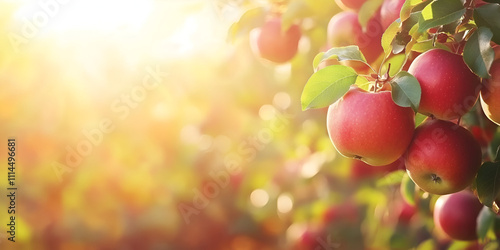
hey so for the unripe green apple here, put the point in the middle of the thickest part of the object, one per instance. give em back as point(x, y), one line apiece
point(490, 94)
point(449, 88)
point(277, 45)
point(443, 157)
point(456, 215)
point(370, 126)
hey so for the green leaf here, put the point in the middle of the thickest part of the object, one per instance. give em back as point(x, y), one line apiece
point(424, 46)
point(440, 12)
point(492, 1)
point(419, 118)
point(367, 10)
point(396, 61)
point(251, 19)
point(488, 183)
point(294, 10)
point(391, 178)
point(404, 37)
point(399, 43)
point(389, 35)
point(407, 8)
point(497, 156)
point(488, 16)
point(478, 54)
point(327, 85)
point(485, 222)
point(407, 189)
point(427, 244)
point(362, 83)
point(350, 52)
point(406, 90)
point(317, 60)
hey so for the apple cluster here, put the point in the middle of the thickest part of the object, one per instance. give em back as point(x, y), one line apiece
point(440, 155)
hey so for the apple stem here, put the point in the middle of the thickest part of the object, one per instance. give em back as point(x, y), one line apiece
point(382, 79)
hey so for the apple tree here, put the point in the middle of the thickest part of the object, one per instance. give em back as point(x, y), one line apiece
point(410, 93)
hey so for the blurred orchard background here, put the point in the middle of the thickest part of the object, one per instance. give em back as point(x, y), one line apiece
point(143, 125)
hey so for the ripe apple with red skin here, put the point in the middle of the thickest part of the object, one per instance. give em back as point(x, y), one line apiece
point(479, 3)
point(490, 94)
point(276, 45)
point(483, 135)
point(456, 215)
point(350, 4)
point(362, 171)
point(443, 157)
point(344, 29)
point(370, 126)
point(449, 88)
point(347, 212)
point(406, 213)
point(389, 12)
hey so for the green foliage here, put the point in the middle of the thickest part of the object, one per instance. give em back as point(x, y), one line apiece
point(440, 12)
point(391, 178)
point(351, 52)
point(488, 183)
point(487, 16)
point(389, 35)
point(478, 54)
point(424, 46)
point(327, 85)
point(407, 189)
point(406, 90)
point(368, 9)
point(485, 223)
point(251, 19)
point(408, 6)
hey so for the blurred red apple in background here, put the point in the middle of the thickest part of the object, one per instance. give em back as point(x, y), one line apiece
point(389, 12)
point(344, 29)
point(350, 4)
point(277, 45)
point(456, 215)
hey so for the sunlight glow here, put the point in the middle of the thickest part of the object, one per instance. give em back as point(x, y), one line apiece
point(95, 15)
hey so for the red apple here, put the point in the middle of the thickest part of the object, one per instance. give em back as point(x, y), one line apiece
point(347, 212)
point(406, 213)
point(362, 171)
point(276, 45)
point(479, 3)
point(490, 94)
point(443, 157)
point(456, 215)
point(344, 29)
point(389, 12)
point(449, 88)
point(370, 126)
point(350, 4)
